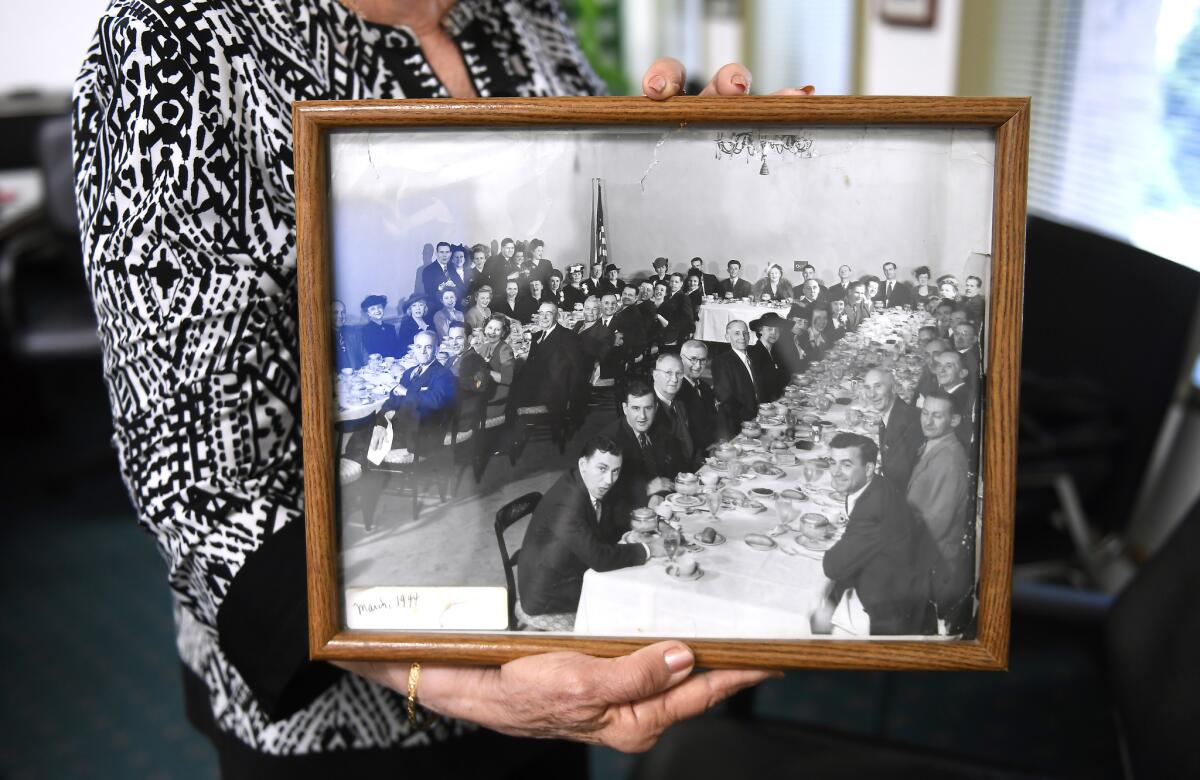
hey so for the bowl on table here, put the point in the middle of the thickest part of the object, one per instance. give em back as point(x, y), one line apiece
point(751, 429)
point(687, 484)
point(643, 520)
point(814, 525)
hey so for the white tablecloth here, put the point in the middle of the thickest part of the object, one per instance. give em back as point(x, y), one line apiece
point(743, 593)
point(710, 326)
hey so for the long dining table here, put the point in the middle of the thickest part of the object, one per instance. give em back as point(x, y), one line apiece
point(714, 316)
point(760, 590)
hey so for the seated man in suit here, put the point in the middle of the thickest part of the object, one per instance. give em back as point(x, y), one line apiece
point(651, 454)
point(928, 380)
point(809, 273)
point(668, 379)
point(952, 378)
point(735, 286)
point(708, 282)
point(838, 320)
point(621, 316)
point(926, 334)
point(810, 297)
point(576, 527)
point(734, 379)
point(841, 290)
point(649, 311)
point(858, 308)
point(552, 371)
point(892, 292)
point(900, 429)
point(422, 400)
point(699, 401)
point(347, 350)
point(966, 343)
point(880, 566)
point(595, 338)
point(973, 302)
point(939, 495)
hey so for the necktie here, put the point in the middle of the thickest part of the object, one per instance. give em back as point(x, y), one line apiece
point(882, 431)
point(596, 509)
point(644, 443)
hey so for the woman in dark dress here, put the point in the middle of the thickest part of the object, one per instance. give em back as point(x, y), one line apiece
point(415, 320)
point(379, 337)
point(923, 290)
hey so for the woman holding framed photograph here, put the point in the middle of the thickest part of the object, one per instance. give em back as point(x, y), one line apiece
point(173, 105)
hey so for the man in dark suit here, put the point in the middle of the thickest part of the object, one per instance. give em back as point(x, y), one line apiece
point(595, 338)
point(422, 400)
point(347, 350)
point(441, 275)
point(503, 268)
point(880, 566)
point(966, 343)
point(628, 328)
point(576, 527)
point(515, 304)
point(734, 380)
point(708, 282)
point(735, 286)
point(899, 432)
point(973, 302)
point(841, 290)
point(699, 401)
point(668, 378)
point(811, 296)
point(651, 454)
point(552, 371)
point(591, 285)
point(952, 378)
point(809, 272)
point(893, 293)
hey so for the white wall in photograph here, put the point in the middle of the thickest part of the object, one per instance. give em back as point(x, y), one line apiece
point(915, 196)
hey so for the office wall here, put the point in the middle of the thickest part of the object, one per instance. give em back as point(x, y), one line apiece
point(42, 43)
point(898, 60)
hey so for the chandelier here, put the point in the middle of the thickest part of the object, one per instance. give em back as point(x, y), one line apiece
point(755, 145)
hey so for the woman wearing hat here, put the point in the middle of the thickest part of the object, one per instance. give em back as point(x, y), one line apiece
point(415, 319)
point(378, 337)
point(611, 283)
point(773, 285)
point(765, 358)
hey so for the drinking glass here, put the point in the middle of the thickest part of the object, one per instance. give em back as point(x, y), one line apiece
point(714, 503)
point(810, 472)
point(853, 417)
point(670, 538)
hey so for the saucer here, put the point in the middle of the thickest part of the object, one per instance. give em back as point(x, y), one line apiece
point(686, 502)
point(719, 539)
point(816, 545)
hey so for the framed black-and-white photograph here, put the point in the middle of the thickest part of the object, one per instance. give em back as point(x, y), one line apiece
point(581, 373)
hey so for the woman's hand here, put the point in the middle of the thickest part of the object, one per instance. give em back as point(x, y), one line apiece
point(666, 76)
point(624, 703)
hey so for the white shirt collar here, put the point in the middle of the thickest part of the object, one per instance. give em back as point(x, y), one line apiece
point(852, 499)
point(745, 356)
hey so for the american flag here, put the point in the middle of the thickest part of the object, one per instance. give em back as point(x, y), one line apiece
point(599, 229)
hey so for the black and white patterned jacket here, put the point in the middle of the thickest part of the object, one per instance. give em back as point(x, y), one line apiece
point(183, 154)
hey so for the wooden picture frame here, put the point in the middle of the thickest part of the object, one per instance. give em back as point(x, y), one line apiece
point(1008, 118)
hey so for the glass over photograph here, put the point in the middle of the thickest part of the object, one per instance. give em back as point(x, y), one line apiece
point(684, 382)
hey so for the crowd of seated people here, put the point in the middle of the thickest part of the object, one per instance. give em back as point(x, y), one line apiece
point(493, 336)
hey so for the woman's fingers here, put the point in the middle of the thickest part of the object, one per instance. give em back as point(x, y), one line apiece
point(636, 727)
point(733, 79)
point(807, 89)
point(664, 78)
point(644, 673)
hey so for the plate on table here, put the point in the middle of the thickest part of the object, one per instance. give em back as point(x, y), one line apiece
point(844, 400)
point(636, 537)
point(771, 421)
point(673, 571)
point(717, 538)
point(825, 423)
point(816, 545)
point(766, 469)
point(760, 542)
point(687, 502)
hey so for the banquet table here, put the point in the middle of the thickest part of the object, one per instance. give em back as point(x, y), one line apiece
point(744, 592)
point(714, 317)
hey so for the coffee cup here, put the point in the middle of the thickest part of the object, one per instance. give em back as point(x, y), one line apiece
point(685, 565)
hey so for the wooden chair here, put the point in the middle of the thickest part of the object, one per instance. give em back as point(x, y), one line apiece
point(507, 516)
